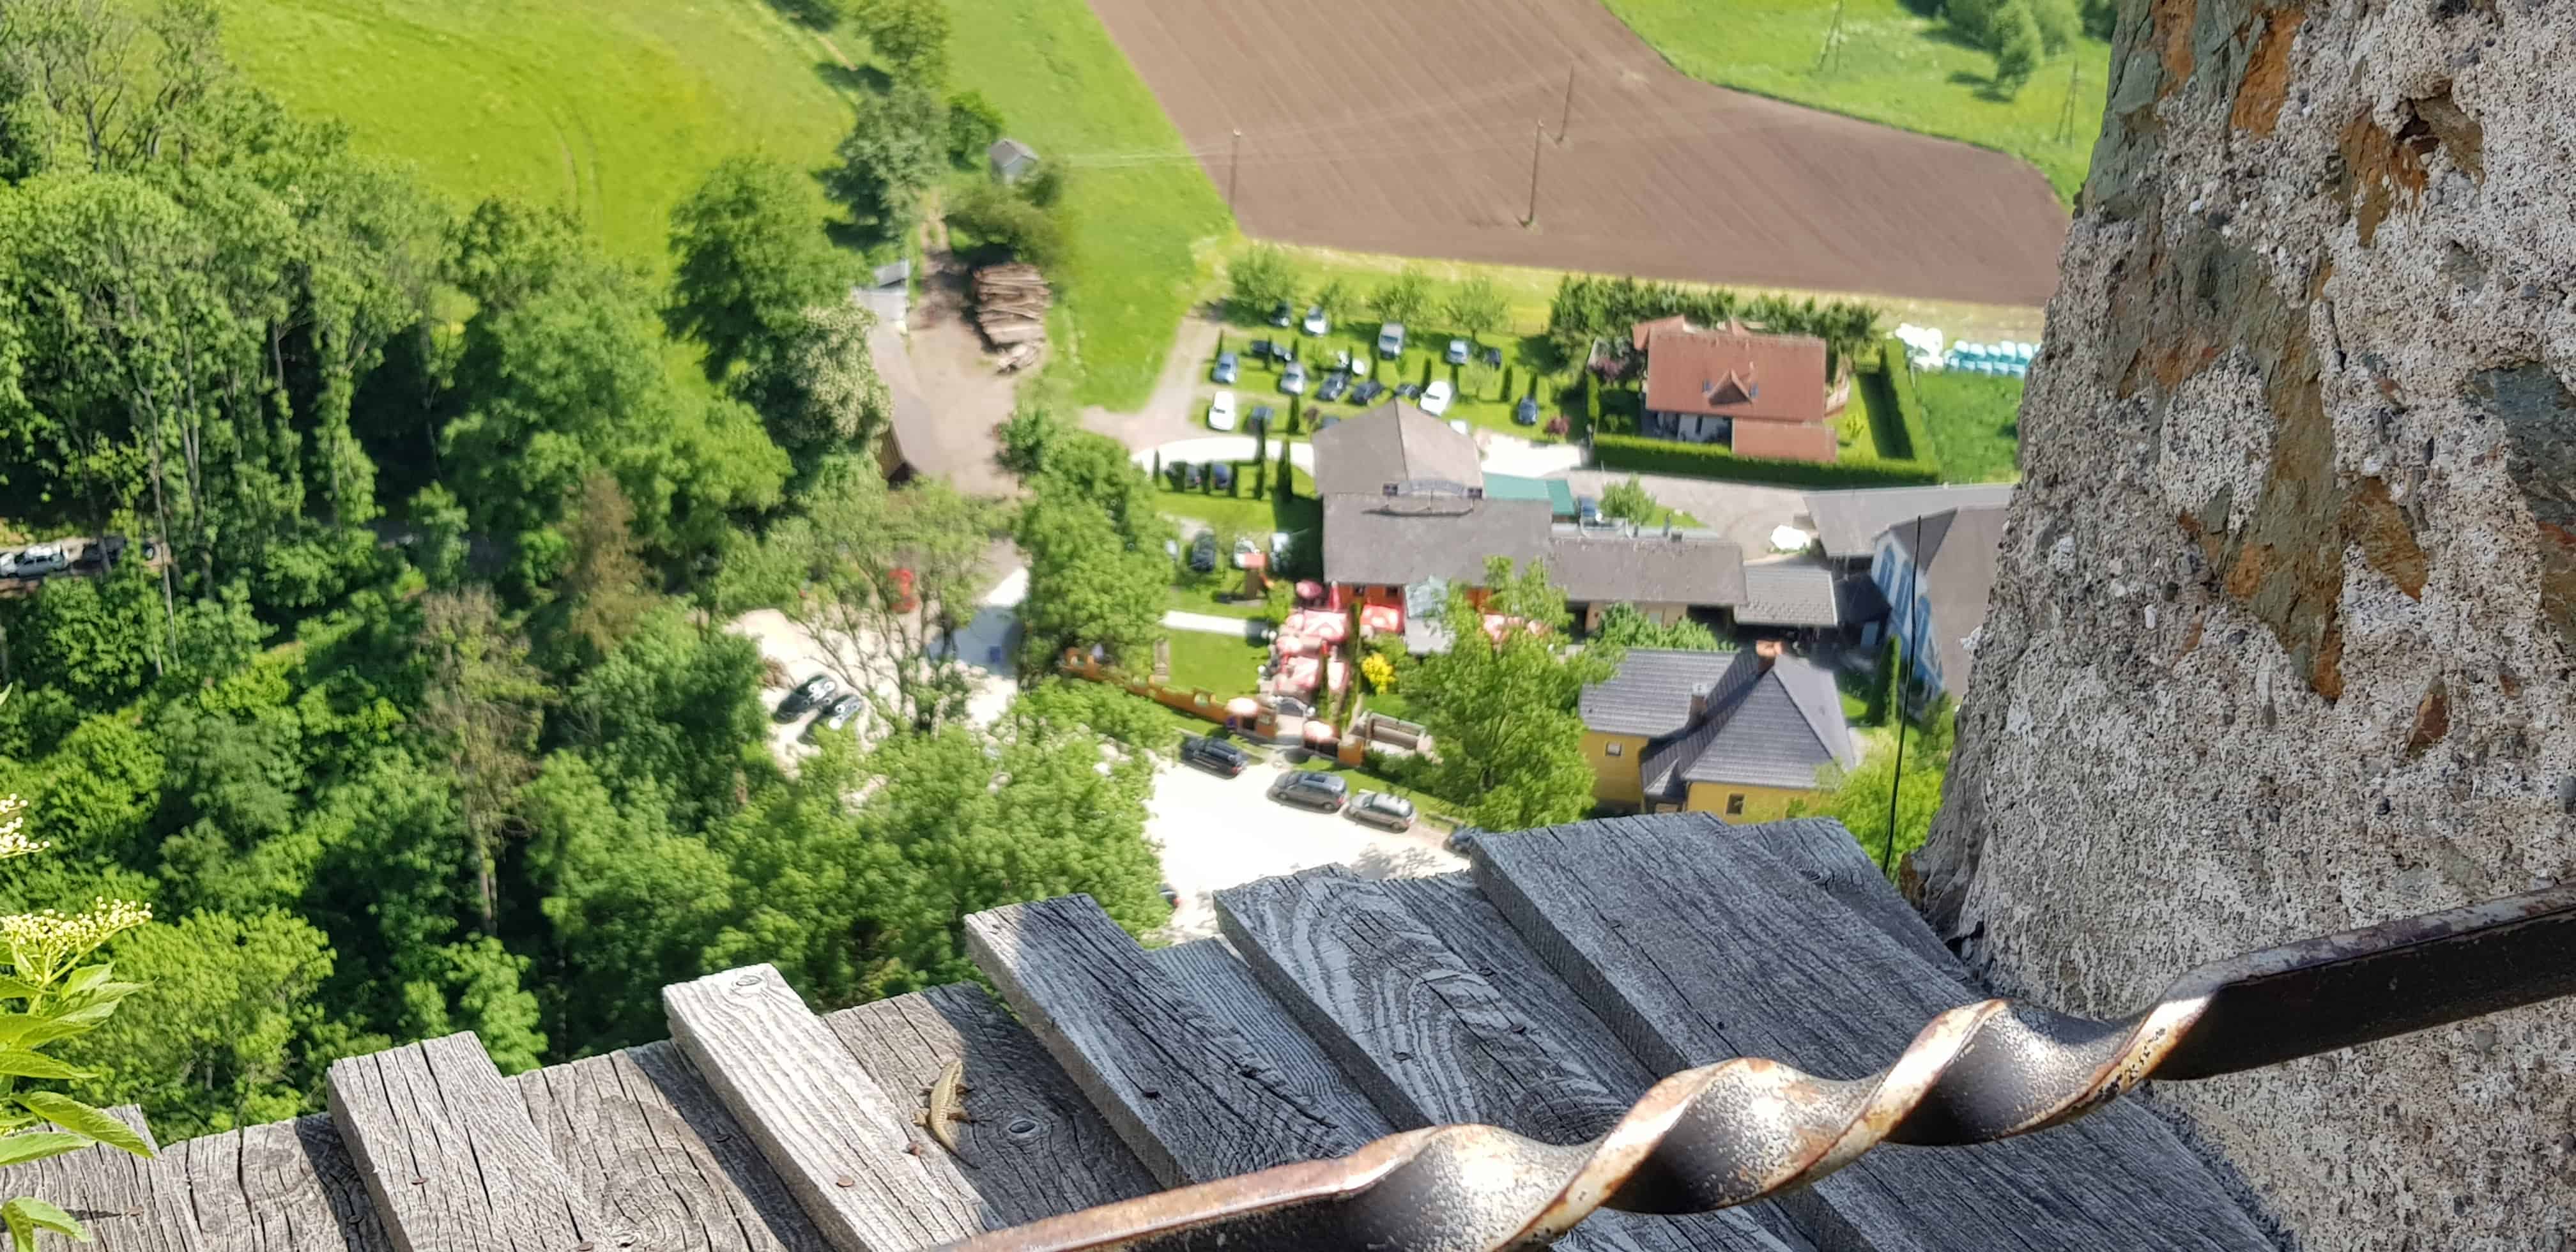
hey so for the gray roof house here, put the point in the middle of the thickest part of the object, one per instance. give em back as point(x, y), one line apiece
point(1937, 575)
point(1848, 523)
point(1752, 718)
point(1011, 159)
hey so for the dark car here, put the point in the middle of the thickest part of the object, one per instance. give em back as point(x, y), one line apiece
point(811, 693)
point(835, 715)
point(1260, 349)
point(1258, 420)
point(1189, 476)
point(1587, 511)
point(1221, 477)
point(1526, 412)
point(1492, 356)
point(1226, 366)
point(1312, 789)
point(1367, 392)
point(1377, 808)
point(1171, 896)
point(1334, 385)
point(1282, 315)
point(1203, 551)
point(1214, 755)
point(1410, 391)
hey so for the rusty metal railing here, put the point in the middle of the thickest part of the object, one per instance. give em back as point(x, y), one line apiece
point(1742, 1129)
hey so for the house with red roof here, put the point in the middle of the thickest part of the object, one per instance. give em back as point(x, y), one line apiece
point(1762, 395)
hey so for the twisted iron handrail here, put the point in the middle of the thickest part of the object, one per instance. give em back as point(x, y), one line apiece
point(1736, 1131)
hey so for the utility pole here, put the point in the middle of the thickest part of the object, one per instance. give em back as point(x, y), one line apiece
point(1833, 38)
point(1538, 144)
point(1568, 118)
point(1233, 162)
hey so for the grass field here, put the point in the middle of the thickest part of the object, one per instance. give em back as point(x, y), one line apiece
point(1244, 514)
point(1975, 421)
point(1146, 223)
point(612, 108)
point(1215, 663)
point(1894, 66)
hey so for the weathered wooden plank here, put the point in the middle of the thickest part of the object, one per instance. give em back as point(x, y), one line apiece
point(278, 1187)
point(1821, 851)
point(1222, 985)
point(828, 1129)
point(1456, 912)
point(1693, 958)
point(1434, 1041)
point(447, 1153)
point(1194, 1096)
point(110, 1190)
point(1032, 1147)
point(656, 1154)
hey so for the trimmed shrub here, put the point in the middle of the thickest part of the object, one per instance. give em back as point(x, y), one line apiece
point(1709, 460)
point(1507, 382)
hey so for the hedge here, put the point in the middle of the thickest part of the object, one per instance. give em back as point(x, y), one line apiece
point(1898, 374)
point(1711, 460)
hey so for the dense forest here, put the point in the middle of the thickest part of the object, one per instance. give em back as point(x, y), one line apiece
point(421, 715)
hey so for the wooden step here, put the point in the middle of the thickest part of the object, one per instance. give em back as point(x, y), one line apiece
point(1696, 945)
point(642, 1137)
point(450, 1159)
point(124, 1199)
point(1194, 1096)
point(1224, 986)
point(1434, 1040)
point(1032, 1147)
point(836, 1138)
point(279, 1187)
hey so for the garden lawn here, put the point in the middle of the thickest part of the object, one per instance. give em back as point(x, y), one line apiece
point(1243, 515)
point(1145, 228)
point(1216, 664)
point(1894, 66)
point(1204, 593)
point(614, 109)
point(1975, 420)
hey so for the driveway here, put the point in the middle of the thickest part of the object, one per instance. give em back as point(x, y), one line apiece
point(1742, 512)
point(1223, 832)
point(963, 396)
point(1171, 413)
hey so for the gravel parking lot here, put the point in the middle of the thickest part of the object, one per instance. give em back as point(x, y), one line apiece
point(1220, 832)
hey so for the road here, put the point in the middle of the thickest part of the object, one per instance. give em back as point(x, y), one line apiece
point(1222, 832)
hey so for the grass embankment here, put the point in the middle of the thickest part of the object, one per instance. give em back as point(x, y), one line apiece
point(1894, 65)
point(1975, 422)
point(613, 109)
point(1146, 224)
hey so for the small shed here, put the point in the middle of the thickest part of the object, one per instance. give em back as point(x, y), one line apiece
point(1012, 160)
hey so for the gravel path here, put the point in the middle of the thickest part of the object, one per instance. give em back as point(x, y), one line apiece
point(1221, 832)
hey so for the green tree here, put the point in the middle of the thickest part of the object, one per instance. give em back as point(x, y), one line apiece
point(1858, 797)
point(1002, 215)
point(911, 35)
point(894, 152)
point(1258, 280)
point(672, 719)
point(1629, 501)
point(1501, 704)
point(2017, 50)
point(1087, 585)
point(2059, 23)
point(749, 258)
point(1476, 307)
point(604, 593)
point(822, 394)
point(483, 713)
point(1404, 298)
point(1336, 299)
point(974, 125)
point(1622, 626)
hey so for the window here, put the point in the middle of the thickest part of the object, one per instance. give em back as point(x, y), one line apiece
point(1614, 749)
point(1735, 805)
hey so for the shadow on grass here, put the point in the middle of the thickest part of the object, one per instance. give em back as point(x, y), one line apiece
point(1886, 420)
point(866, 78)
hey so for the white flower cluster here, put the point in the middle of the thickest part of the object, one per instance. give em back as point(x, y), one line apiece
point(43, 945)
point(12, 841)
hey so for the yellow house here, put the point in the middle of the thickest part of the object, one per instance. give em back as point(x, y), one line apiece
point(1738, 734)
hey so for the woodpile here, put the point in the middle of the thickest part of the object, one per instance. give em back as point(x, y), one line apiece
point(1011, 304)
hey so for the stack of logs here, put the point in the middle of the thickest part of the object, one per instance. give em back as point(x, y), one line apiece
point(1011, 304)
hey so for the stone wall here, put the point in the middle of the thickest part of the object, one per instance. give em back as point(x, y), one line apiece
point(2285, 639)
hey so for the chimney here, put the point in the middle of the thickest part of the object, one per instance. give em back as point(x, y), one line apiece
point(1765, 652)
point(1699, 700)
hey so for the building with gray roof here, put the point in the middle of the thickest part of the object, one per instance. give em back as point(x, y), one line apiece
point(1732, 733)
point(1848, 523)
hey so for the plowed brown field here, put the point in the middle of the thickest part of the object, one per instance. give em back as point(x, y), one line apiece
point(1406, 126)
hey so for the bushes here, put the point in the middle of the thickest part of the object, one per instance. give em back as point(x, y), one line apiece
point(973, 126)
point(1588, 308)
point(999, 215)
point(1709, 460)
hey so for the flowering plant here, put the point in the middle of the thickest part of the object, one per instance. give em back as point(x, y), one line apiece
point(47, 995)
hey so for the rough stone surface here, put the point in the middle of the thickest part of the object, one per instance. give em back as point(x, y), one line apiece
point(2285, 640)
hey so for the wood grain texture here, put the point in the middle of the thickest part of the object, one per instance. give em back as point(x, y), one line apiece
point(279, 1187)
point(118, 1195)
point(655, 1153)
point(1693, 958)
point(1224, 986)
point(822, 1123)
point(1032, 1147)
point(1433, 1039)
point(1193, 1095)
point(449, 1157)
point(1820, 850)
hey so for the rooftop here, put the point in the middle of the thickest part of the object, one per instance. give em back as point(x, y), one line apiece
point(1396, 442)
point(1117, 1071)
point(1597, 566)
point(1734, 373)
point(1849, 523)
point(1959, 552)
point(1382, 540)
point(1791, 591)
point(1762, 721)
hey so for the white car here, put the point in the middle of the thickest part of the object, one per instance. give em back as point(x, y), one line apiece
point(1316, 323)
point(1221, 411)
point(36, 561)
point(1436, 397)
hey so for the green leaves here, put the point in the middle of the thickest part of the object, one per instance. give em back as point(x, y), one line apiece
point(81, 1119)
point(37, 1145)
point(21, 1063)
point(26, 1215)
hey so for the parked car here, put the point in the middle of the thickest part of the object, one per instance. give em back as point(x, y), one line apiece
point(1493, 357)
point(1457, 354)
point(1226, 365)
point(811, 693)
point(1316, 323)
point(1281, 314)
point(841, 713)
point(1436, 397)
point(36, 561)
point(1367, 392)
point(1244, 547)
point(1377, 808)
point(1357, 365)
point(1258, 420)
point(1171, 896)
point(1526, 412)
point(1409, 391)
point(1221, 477)
point(1333, 386)
point(1293, 382)
point(1587, 510)
point(1260, 349)
point(1203, 552)
point(1313, 789)
point(1190, 480)
point(1221, 411)
point(1214, 755)
point(1390, 340)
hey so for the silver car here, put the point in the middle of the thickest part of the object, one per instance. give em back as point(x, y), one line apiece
point(1377, 808)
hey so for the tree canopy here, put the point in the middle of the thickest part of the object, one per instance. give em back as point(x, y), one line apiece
point(1500, 702)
